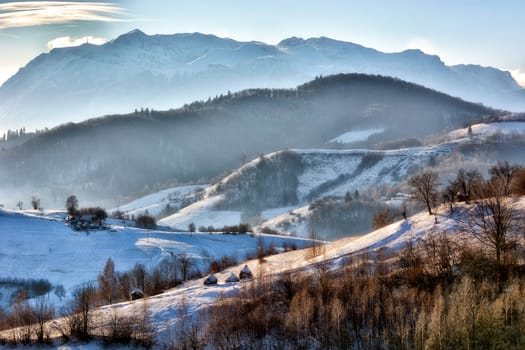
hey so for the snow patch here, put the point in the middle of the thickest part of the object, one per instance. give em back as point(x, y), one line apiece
point(203, 213)
point(356, 135)
point(154, 203)
point(488, 129)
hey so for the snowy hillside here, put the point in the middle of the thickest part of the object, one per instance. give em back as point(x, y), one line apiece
point(178, 308)
point(277, 190)
point(71, 258)
point(90, 80)
point(322, 173)
point(334, 255)
point(154, 204)
point(484, 130)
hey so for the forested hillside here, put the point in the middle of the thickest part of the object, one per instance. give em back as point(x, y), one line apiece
point(108, 157)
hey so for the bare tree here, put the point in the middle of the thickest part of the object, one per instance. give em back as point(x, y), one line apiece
point(72, 205)
point(107, 282)
point(316, 246)
point(60, 291)
point(144, 332)
point(44, 311)
point(467, 184)
point(494, 220)
point(518, 183)
point(382, 219)
point(146, 222)
point(450, 196)
point(35, 202)
point(424, 188)
point(504, 172)
point(185, 264)
point(261, 251)
point(140, 275)
point(440, 253)
point(22, 322)
point(100, 215)
point(79, 318)
point(119, 328)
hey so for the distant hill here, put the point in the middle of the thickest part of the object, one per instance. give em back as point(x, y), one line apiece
point(336, 193)
point(106, 159)
point(164, 71)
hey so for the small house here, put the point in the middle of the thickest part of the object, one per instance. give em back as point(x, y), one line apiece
point(246, 273)
point(81, 222)
point(232, 278)
point(136, 293)
point(210, 280)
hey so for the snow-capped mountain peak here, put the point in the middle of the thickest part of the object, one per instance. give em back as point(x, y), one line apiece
point(164, 71)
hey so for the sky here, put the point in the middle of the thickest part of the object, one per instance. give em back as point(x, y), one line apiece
point(488, 33)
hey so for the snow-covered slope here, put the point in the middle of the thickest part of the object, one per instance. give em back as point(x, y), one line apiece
point(155, 203)
point(275, 191)
point(203, 213)
point(33, 246)
point(484, 130)
point(334, 255)
point(321, 173)
point(356, 135)
point(164, 71)
point(182, 305)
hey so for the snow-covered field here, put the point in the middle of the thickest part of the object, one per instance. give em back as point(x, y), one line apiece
point(186, 302)
point(44, 247)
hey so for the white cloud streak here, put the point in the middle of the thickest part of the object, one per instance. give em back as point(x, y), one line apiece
point(67, 41)
point(34, 13)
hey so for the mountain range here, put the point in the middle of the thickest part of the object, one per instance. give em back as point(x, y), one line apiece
point(137, 71)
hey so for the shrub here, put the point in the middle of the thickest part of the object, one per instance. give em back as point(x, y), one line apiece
point(146, 222)
point(31, 288)
point(382, 219)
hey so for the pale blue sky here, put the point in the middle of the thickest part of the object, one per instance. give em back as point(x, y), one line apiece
point(459, 31)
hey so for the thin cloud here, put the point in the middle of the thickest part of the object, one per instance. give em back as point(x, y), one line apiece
point(34, 13)
point(67, 41)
